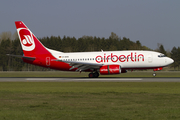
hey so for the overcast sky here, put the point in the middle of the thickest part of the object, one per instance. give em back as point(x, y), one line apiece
point(149, 21)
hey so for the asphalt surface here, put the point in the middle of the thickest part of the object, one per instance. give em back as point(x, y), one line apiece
point(90, 79)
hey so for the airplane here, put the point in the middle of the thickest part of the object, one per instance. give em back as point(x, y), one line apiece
point(103, 62)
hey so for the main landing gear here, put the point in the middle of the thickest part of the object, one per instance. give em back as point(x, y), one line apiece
point(94, 75)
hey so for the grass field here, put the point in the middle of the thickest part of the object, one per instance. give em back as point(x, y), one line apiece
point(89, 101)
point(85, 74)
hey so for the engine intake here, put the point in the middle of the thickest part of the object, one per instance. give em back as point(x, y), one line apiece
point(110, 69)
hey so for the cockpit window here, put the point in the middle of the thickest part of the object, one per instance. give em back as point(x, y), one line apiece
point(161, 55)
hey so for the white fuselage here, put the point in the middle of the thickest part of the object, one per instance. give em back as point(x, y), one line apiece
point(126, 59)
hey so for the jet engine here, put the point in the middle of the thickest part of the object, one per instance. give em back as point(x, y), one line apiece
point(110, 69)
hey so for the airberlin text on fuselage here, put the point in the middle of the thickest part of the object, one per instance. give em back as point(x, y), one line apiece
point(122, 58)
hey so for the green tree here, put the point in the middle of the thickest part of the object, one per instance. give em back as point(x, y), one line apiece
point(175, 56)
point(162, 50)
point(5, 48)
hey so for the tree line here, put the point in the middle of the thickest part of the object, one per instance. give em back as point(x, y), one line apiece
point(11, 45)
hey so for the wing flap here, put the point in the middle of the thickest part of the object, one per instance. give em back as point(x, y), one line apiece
point(82, 66)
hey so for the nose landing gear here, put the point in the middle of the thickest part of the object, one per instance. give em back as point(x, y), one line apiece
point(154, 74)
point(157, 69)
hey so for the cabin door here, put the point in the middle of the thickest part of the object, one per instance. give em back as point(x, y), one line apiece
point(48, 61)
point(150, 58)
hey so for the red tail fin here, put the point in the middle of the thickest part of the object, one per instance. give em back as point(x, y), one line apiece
point(30, 44)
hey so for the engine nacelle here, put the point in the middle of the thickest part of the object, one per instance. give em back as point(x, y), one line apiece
point(110, 69)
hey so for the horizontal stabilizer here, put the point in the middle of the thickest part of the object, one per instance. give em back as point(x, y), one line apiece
point(20, 56)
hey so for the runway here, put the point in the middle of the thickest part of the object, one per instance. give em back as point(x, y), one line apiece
point(90, 79)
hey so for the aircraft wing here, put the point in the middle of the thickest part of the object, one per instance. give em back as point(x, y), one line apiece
point(82, 66)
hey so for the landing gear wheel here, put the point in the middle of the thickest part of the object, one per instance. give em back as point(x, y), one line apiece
point(94, 75)
point(91, 75)
point(154, 74)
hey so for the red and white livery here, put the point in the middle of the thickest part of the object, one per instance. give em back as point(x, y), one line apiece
point(103, 62)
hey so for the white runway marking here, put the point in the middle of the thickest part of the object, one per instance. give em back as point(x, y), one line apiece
point(101, 79)
point(43, 79)
point(91, 79)
point(153, 79)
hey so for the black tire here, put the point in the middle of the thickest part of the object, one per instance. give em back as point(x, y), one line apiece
point(96, 74)
point(154, 74)
point(91, 75)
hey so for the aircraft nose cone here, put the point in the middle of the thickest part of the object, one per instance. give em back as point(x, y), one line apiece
point(170, 61)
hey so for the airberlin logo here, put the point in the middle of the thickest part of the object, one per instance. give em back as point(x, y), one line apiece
point(27, 41)
point(26, 38)
point(133, 57)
